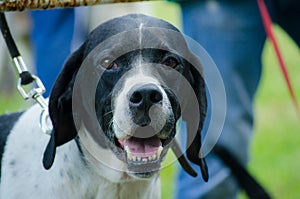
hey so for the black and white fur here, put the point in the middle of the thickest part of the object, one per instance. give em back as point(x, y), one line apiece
point(32, 166)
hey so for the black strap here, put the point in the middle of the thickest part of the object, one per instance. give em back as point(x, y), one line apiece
point(25, 76)
point(247, 182)
point(11, 45)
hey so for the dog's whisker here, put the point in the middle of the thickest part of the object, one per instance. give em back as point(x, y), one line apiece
point(110, 123)
point(110, 112)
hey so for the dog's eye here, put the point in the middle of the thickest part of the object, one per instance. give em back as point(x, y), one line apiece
point(171, 62)
point(108, 64)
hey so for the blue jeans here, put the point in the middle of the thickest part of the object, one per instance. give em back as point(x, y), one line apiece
point(233, 35)
point(51, 38)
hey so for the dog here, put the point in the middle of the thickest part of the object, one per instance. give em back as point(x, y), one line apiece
point(114, 109)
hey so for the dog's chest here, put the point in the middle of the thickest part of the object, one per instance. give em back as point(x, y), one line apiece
point(129, 190)
point(70, 176)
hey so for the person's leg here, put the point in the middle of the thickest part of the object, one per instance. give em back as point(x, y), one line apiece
point(51, 38)
point(232, 33)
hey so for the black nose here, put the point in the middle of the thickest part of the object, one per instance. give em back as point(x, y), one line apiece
point(141, 99)
point(144, 97)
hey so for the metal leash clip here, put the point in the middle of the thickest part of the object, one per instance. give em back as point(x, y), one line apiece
point(45, 122)
point(35, 93)
point(26, 77)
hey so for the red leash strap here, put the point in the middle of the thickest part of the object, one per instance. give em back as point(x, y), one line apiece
point(269, 31)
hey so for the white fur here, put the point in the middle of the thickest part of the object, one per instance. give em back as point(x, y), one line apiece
point(71, 176)
point(123, 124)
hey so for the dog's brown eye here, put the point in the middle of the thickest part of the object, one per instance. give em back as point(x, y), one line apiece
point(109, 65)
point(171, 62)
point(112, 65)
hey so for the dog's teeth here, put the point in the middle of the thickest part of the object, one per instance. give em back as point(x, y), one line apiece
point(128, 152)
point(126, 148)
point(129, 155)
point(154, 157)
point(160, 148)
point(134, 158)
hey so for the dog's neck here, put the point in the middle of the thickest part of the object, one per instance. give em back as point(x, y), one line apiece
point(107, 172)
point(132, 189)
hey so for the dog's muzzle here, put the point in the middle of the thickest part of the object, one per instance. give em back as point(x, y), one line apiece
point(146, 129)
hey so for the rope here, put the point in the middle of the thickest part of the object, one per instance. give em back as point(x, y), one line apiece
point(20, 5)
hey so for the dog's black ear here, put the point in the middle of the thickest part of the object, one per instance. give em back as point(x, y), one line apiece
point(194, 138)
point(60, 107)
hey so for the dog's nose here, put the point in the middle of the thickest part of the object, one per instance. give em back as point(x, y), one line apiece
point(145, 96)
point(141, 99)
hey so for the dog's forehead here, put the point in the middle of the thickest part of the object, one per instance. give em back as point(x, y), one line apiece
point(121, 36)
point(131, 21)
point(146, 30)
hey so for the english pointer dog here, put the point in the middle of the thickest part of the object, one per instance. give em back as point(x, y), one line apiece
point(114, 109)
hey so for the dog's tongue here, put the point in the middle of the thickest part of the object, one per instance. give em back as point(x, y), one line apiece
point(143, 146)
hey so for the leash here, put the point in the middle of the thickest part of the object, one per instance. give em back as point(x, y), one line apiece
point(25, 77)
point(267, 22)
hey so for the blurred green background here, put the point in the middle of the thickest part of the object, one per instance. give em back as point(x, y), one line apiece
point(275, 149)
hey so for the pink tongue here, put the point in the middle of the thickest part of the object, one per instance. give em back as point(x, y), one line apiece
point(143, 146)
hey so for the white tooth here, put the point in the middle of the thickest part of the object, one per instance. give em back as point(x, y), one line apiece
point(150, 158)
point(159, 150)
point(154, 156)
point(126, 148)
point(129, 155)
point(139, 158)
point(134, 158)
point(144, 159)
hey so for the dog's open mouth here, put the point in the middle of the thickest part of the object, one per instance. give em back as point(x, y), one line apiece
point(142, 150)
point(143, 155)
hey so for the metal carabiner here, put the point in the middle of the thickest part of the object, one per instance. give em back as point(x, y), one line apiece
point(45, 122)
point(26, 77)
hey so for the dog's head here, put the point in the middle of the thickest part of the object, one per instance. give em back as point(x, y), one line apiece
point(131, 94)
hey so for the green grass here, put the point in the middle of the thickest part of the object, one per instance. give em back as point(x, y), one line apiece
point(276, 158)
point(11, 102)
point(275, 150)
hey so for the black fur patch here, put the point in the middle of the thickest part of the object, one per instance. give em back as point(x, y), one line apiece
point(7, 122)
